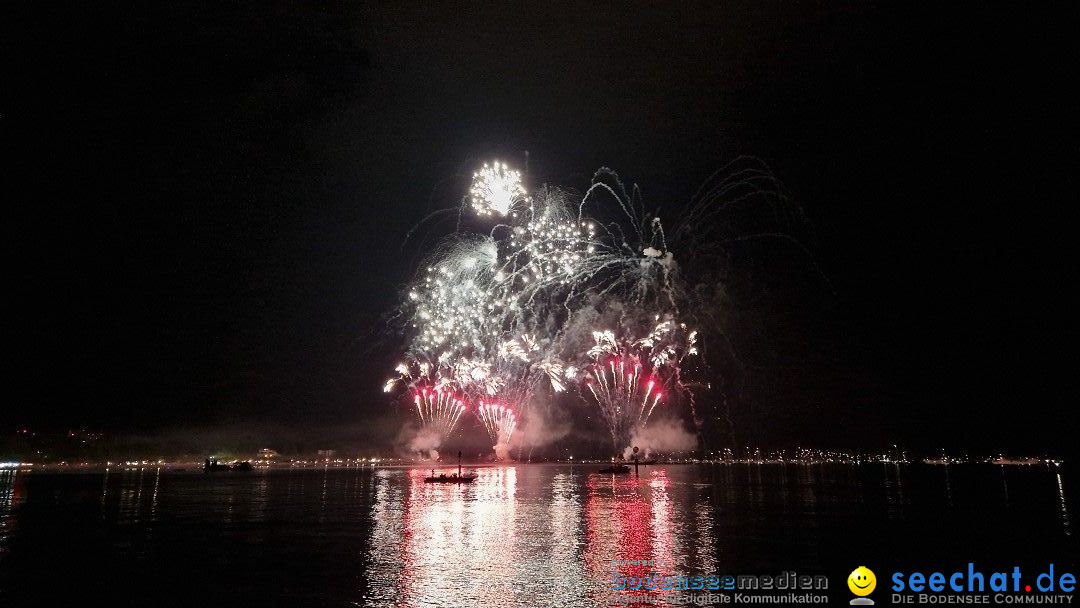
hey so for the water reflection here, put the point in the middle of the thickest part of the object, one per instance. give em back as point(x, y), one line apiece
point(895, 476)
point(524, 535)
point(9, 497)
point(130, 495)
point(545, 535)
point(520, 535)
point(619, 528)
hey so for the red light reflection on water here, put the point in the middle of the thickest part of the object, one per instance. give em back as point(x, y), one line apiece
point(627, 520)
point(521, 536)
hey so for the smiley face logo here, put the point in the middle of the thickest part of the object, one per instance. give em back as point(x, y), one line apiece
point(862, 581)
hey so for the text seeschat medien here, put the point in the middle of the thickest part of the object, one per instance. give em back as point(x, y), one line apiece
point(784, 580)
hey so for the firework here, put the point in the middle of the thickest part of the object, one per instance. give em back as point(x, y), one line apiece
point(438, 410)
point(499, 421)
point(434, 393)
point(489, 312)
point(497, 318)
point(549, 243)
point(627, 378)
point(496, 189)
point(456, 302)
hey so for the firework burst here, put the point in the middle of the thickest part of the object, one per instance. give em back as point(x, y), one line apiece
point(456, 304)
point(627, 378)
point(438, 410)
point(496, 189)
point(549, 244)
point(433, 391)
point(499, 421)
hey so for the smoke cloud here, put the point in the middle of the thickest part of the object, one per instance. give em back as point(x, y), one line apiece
point(663, 435)
point(423, 442)
point(542, 427)
point(502, 452)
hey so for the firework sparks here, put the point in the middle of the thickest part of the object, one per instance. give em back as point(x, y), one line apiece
point(438, 410)
point(455, 303)
point(434, 393)
point(627, 377)
point(626, 396)
point(551, 243)
point(499, 421)
point(495, 189)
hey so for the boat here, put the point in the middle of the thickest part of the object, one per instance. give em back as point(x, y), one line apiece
point(213, 466)
point(623, 469)
point(454, 478)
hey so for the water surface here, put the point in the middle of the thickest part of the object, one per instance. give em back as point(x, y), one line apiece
point(524, 535)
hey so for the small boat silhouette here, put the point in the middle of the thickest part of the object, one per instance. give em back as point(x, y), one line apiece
point(455, 478)
point(213, 466)
point(617, 469)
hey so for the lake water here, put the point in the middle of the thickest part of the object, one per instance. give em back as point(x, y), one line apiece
point(524, 535)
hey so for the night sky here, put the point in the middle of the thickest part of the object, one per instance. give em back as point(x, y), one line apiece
point(206, 206)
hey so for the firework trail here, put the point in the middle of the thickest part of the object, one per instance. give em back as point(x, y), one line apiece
point(625, 393)
point(439, 410)
point(499, 422)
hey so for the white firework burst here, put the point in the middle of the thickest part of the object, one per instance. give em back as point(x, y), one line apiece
point(496, 189)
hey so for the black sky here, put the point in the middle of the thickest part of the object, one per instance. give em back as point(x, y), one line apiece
point(206, 205)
